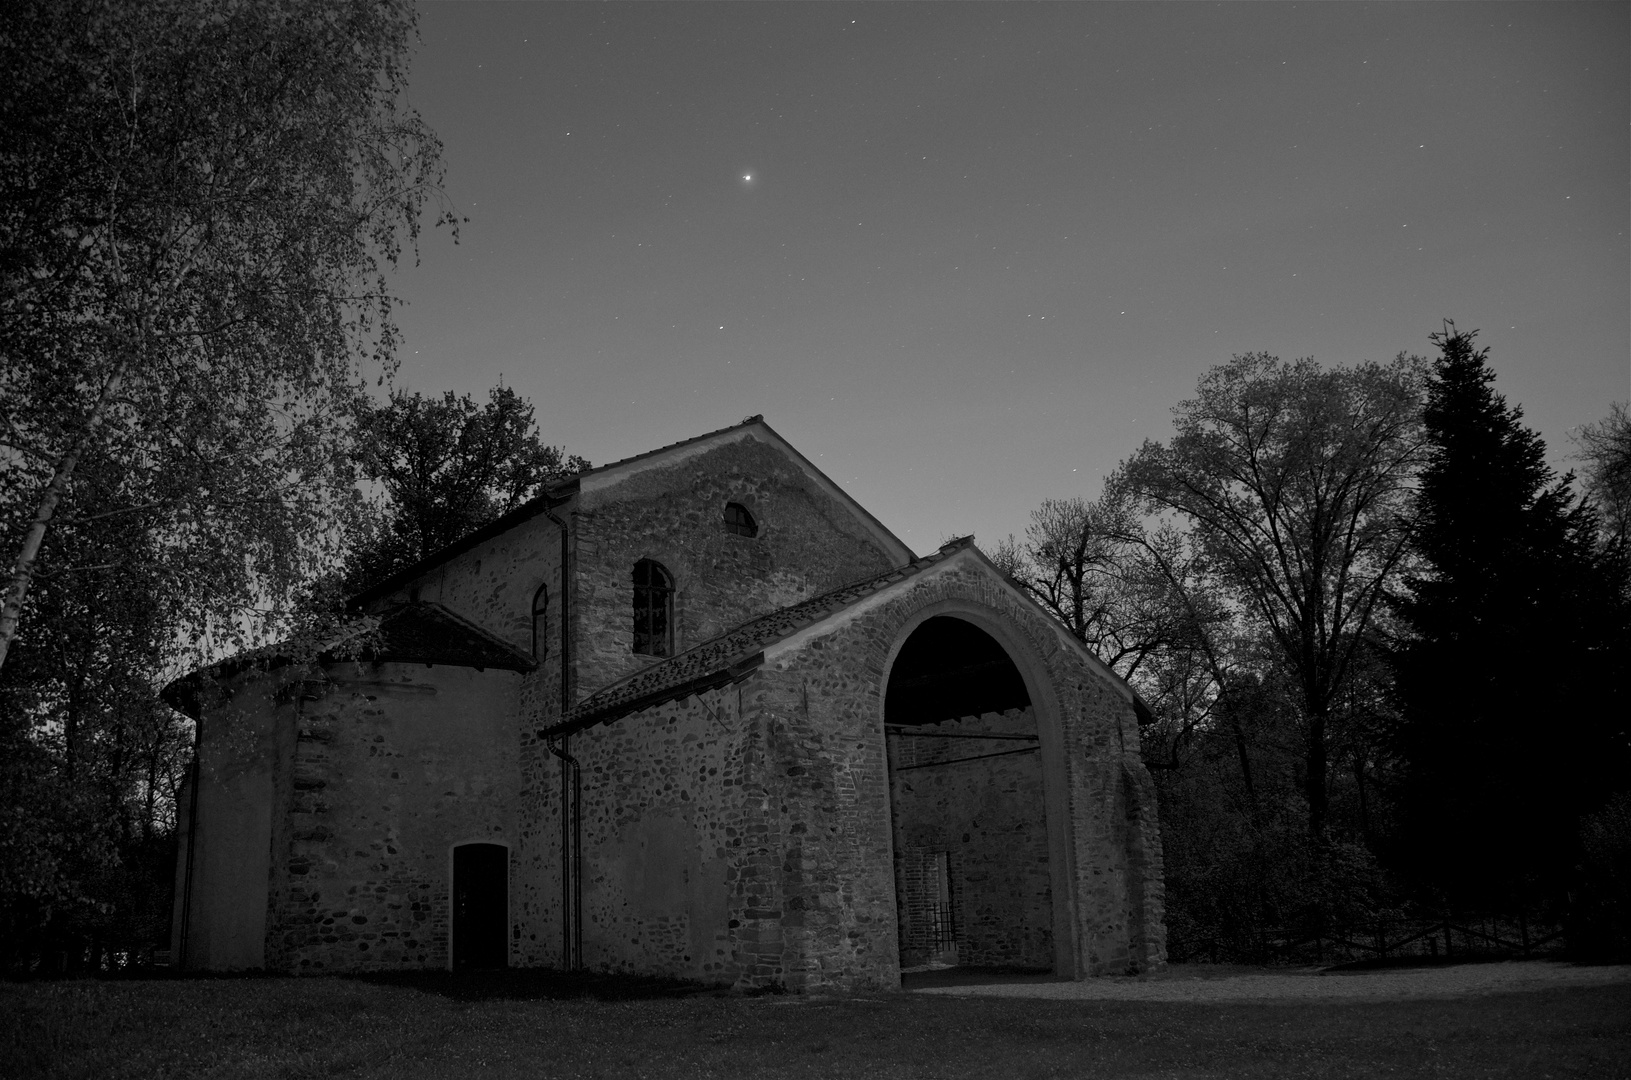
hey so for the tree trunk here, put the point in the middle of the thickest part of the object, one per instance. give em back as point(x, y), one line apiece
point(1245, 761)
point(1364, 808)
point(23, 575)
point(1314, 787)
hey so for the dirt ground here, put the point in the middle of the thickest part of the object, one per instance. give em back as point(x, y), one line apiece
point(1222, 983)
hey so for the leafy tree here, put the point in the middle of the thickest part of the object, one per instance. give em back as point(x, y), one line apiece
point(445, 467)
point(91, 756)
point(197, 205)
point(1513, 675)
point(1139, 599)
point(1293, 480)
point(1605, 448)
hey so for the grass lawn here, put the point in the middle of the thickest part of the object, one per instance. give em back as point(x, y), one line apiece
point(531, 1025)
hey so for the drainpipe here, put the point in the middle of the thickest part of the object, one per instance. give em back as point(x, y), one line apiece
point(180, 962)
point(571, 856)
point(571, 792)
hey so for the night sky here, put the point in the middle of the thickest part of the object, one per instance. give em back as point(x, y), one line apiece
point(967, 257)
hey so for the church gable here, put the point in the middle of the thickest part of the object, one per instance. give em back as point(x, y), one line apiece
point(728, 525)
point(678, 546)
point(754, 428)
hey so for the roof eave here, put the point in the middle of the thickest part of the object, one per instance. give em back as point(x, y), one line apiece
point(558, 495)
point(881, 531)
point(723, 676)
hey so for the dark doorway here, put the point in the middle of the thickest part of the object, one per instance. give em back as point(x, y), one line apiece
point(481, 906)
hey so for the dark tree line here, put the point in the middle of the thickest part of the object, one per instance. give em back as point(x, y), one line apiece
point(1384, 649)
point(1511, 664)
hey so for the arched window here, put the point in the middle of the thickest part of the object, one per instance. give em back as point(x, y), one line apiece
point(540, 608)
point(739, 521)
point(653, 609)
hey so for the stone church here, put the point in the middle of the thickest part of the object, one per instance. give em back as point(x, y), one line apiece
point(695, 713)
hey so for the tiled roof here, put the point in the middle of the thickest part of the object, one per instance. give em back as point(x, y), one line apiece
point(416, 633)
point(733, 654)
point(425, 633)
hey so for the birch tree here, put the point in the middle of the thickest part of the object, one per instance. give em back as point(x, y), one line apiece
point(198, 205)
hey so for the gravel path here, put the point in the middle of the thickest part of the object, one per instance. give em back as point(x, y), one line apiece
point(1184, 983)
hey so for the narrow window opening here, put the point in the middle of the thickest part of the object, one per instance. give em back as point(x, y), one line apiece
point(653, 609)
point(739, 521)
point(540, 609)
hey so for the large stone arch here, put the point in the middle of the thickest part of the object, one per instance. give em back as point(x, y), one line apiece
point(815, 898)
point(1025, 653)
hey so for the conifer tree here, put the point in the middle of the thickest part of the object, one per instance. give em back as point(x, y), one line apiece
point(1512, 677)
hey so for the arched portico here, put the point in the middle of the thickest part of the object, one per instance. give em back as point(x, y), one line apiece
point(978, 792)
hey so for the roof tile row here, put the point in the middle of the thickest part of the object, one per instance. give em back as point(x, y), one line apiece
point(684, 674)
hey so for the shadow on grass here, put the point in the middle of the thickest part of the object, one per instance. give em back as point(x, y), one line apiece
point(532, 984)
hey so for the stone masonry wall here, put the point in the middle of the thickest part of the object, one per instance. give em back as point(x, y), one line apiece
point(740, 838)
point(663, 819)
point(393, 765)
point(807, 544)
point(1097, 733)
point(821, 868)
point(493, 586)
point(989, 819)
point(247, 738)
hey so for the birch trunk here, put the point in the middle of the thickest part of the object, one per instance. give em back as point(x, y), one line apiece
point(23, 574)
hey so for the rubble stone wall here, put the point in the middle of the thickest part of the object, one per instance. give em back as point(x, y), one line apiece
point(663, 825)
point(1108, 923)
point(807, 543)
point(392, 766)
point(739, 837)
point(494, 585)
point(988, 818)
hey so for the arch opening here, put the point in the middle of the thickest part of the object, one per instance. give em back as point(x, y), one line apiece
point(972, 876)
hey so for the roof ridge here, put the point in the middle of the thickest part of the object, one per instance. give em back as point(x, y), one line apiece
point(756, 418)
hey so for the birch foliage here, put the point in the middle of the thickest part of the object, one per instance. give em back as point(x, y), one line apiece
point(198, 205)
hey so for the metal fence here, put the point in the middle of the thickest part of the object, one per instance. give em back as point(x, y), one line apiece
point(1423, 934)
